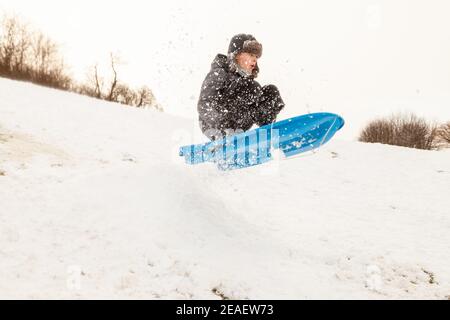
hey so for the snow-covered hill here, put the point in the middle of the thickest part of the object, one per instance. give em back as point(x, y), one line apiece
point(95, 203)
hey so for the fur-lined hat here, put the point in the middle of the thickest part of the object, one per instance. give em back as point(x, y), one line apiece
point(245, 43)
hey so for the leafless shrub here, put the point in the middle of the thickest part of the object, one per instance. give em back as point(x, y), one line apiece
point(406, 130)
point(144, 97)
point(443, 136)
point(123, 94)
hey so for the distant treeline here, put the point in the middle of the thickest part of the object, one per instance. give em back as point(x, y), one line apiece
point(29, 55)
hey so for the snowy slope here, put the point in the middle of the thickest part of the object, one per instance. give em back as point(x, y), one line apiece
point(95, 203)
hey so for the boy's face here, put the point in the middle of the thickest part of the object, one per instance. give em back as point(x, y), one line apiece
point(247, 61)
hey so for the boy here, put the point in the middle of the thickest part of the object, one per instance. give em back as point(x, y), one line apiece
point(231, 101)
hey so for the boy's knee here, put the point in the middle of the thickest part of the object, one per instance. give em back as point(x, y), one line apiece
point(270, 105)
point(272, 95)
point(271, 90)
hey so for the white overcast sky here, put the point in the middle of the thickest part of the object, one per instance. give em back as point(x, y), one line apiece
point(321, 54)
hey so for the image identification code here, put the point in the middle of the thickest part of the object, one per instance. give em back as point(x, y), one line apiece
point(227, 309)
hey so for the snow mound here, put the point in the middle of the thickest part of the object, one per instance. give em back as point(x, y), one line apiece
point(95, 203)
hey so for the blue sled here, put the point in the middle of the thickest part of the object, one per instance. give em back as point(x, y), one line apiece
point(292, 136)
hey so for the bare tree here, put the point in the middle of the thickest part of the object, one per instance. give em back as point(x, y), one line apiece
point(34, 57)
point(112, 89)
point(15, 43)
point(93, 85)
point(8, 46)
point(98, 83)
point(22, 52)
point(30, 56)
point(44, 52)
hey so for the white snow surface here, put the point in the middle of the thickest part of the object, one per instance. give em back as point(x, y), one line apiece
point(96, 203)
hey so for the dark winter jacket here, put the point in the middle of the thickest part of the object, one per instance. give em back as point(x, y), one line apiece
point(232, 100)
